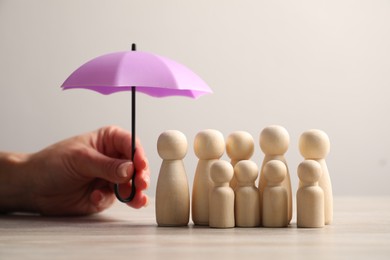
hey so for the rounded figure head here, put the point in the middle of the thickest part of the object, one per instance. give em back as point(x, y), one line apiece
point(275, 171)
point(209, 144)
point(172, 145)
point(240, 145)
point(314, 144)
point(246, 171)
point(221, 171)
point(309, 171)
point(274, 140)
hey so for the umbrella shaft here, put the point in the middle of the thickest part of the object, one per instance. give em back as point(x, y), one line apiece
point(133, 188)
point(133, 123)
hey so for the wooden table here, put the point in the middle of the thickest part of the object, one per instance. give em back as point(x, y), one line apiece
point(361, 230)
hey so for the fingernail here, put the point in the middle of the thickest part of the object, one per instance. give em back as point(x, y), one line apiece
point(123, 169)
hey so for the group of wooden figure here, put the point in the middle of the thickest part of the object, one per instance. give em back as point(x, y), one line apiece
point(224, 194)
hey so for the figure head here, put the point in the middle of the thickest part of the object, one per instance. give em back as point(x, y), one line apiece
point(172, 145)
point(240, 145)
point(314, 144)
point(309, 171)
point(221, 172)
point(246, 171)
point(274, 140)
point(209, 144)
point(275, 171)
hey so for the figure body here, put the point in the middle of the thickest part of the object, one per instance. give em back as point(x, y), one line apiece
point(172, 193)
point(247, 199)
point(221, 207)
point(275, 197)
point(310, 197)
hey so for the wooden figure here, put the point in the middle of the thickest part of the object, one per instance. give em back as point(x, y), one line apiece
point(275, 195)
point(239, 146)
point(314, 144)
point(274, 141)
point(172, 193)
point(247, 199)
point(209, 146)
point(310, 197)
point(221, 207)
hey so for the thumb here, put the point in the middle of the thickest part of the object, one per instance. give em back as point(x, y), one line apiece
point(109, 169)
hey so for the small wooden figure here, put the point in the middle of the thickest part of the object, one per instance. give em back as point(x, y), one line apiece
point(275, 196)
point(221, 207)
point(310, 197)
point(314, 144)
point(247, 199)
point(209, 146)
point(172, 193)
point(239, 146)
point(274, 141)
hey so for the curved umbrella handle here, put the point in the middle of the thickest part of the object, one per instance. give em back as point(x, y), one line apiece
point(132, 194)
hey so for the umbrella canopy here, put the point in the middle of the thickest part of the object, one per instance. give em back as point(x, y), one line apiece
point(136, 71)
point(149, 73)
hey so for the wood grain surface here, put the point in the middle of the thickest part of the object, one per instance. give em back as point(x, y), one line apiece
point(361, 230)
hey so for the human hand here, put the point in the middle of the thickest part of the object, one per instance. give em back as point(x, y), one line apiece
point(76, 176)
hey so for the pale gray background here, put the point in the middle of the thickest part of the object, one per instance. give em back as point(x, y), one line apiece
point(301, 64)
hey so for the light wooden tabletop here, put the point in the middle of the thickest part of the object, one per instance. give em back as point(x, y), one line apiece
point(361, 230)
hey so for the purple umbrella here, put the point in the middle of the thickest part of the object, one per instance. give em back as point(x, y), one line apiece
point(136, 71)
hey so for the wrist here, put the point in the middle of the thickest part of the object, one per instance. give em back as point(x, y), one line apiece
point(15, 191)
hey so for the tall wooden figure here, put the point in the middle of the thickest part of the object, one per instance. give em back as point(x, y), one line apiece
point(239, 146)
point(314, 144)
point(247, 199)
point(275, 196)
point(209, 146)
point(221, 207)
point(274, 141)
point(310, 197)
point(172, 194)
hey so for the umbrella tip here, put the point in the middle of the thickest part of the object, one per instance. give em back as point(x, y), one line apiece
point(133, 47)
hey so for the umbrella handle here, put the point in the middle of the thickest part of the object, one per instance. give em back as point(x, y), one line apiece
point(116, 186)
point(132, 194)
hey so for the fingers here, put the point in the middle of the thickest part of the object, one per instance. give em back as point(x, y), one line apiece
point(93, 164)
point(142, 181)
point(109, 159)
point(101, 196)
point(140, 159)
point(116, 142)
point(102, 199)
point(140, 199)
point(115, 170)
